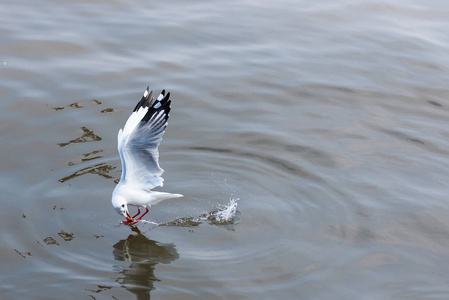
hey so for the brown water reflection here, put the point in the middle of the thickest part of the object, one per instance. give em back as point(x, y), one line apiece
point(143, 254)
point(101, 169)
point(88, 136)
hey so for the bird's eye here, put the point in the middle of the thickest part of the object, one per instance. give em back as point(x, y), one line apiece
point(123, 205)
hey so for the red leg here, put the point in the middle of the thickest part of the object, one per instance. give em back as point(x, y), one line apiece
point(138, 212)
point(140, 218)
point(146, 211)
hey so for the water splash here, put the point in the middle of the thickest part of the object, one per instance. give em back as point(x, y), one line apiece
point(226, 215)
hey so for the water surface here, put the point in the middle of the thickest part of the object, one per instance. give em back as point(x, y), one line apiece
point(327, 121)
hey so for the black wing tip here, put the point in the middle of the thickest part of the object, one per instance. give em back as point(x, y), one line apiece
point(158, 104)
point(167, 107)
point(167, 97)
point(155, 105)
point(147, 99)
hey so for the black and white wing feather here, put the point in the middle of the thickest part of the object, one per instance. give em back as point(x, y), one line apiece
point(139, 140)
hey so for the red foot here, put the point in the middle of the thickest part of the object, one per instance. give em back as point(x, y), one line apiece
point(130, 220)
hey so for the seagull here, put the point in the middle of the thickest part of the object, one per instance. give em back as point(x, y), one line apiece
point(138, 144)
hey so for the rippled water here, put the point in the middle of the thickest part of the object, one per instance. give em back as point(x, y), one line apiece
point(328, 121)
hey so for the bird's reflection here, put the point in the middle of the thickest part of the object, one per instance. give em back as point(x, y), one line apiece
point(143, 254)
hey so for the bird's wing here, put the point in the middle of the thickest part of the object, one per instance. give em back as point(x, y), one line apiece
point(139, 140)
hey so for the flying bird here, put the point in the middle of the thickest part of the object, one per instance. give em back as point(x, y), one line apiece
point(138, 144)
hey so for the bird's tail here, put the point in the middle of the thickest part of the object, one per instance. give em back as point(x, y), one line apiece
point(176, 195)
point(160, 196)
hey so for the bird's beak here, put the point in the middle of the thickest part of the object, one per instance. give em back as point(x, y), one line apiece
point(128, 217)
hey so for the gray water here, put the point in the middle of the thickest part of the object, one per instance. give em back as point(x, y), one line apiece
point(323, 123)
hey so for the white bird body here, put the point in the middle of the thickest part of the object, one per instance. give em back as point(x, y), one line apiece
point(138, 197)
point(138, 144)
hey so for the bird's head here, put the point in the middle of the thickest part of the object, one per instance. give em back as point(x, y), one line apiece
point(121, 207)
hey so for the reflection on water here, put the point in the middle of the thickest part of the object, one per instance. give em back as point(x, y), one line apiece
point(143, 254)
point(88, 156)
point(23, 254)
point(76, 105)
point(108, 111)
point(101, 169)
point(64, 235)
point(88, 136)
